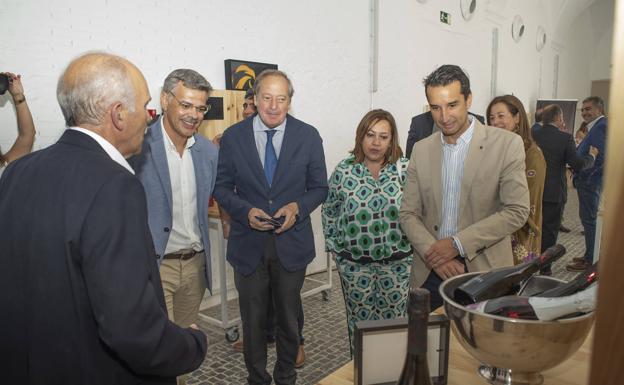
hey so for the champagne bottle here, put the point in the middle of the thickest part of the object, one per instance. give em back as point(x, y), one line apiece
point(416, 368)
point(580, 282)
point(540, 308)
point(505, 280)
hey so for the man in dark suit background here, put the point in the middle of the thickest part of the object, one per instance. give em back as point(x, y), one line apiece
point(559, 149)
point(588, 182)
point(81, 297)
point(270, 166)
point(422, 126)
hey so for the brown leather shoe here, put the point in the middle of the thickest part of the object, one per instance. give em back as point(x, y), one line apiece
point(578, 266)
point(300, 357)
point(238, 345)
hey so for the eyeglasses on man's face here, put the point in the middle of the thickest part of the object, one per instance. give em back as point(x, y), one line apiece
point(186, 106)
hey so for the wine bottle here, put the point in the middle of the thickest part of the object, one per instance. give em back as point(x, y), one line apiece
point(505, 280)
point(416, 368)
point(580, 282)
point(539, 308)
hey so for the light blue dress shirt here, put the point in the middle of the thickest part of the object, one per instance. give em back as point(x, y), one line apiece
point(260, 136)
point(453, 159)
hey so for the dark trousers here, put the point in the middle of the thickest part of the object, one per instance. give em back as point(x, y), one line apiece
point(270, 282)
point(432, 283)
point(270, 327)
point(589, 199)
point(551, 221)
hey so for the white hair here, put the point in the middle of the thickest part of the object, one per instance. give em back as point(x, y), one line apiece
point(85, 95)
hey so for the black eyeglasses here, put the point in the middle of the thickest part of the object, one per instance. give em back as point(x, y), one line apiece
point(185, 106)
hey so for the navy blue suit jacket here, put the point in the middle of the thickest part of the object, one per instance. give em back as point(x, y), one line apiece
point(153, 171)
point(596, 137)
point(558, 149)
point(301, 177)
point(82, 301)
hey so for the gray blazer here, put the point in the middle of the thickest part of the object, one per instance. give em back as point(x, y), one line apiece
point(151, 168)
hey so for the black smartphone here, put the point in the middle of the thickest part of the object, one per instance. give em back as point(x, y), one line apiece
point(4, 83)
point(275, 222)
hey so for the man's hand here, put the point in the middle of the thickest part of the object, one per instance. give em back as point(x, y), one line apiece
point(593, 151)
point(15, 85)
point(226, 229)
point(440, 252)
point(449, 269)
point(289, 212)
point(255, 223)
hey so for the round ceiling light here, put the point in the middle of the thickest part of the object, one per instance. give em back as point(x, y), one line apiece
point(517, 28)
point(468, 8)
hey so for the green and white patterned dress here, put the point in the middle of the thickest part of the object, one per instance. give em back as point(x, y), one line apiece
point(361, 227)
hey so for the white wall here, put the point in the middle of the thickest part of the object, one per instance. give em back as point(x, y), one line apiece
point(323, 45)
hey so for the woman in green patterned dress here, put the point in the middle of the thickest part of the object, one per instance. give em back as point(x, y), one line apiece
point(361, 223)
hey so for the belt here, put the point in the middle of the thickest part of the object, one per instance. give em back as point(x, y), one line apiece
point(183, 255)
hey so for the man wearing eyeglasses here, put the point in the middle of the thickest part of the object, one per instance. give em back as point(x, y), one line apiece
point(249, 106)
point(178, 168)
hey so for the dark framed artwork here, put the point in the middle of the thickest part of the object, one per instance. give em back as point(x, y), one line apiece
point(381, 346)
point(569, 110)
point(241, 74)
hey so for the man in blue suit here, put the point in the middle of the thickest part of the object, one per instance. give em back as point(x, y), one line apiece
point(178, 167)
point(588, 182)
point(271, 176)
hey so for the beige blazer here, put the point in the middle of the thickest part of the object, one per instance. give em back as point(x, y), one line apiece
point(494, 199)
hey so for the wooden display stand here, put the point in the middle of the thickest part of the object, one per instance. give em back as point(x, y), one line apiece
point(232, 113)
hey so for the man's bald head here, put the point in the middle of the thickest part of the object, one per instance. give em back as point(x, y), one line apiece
point(92, 83)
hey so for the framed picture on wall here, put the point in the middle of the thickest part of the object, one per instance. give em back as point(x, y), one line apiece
point(241, 74)
point(569, 110)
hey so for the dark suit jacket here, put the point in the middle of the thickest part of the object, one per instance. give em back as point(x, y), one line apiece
point(300, 177)
point(596, 137)
point(82, 301)
point(421, 127)
point(559, 149)
point(153, 170)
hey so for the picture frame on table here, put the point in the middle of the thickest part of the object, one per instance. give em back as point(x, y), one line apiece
point(381, 347)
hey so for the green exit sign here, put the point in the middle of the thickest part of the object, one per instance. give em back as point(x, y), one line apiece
point(445, 17)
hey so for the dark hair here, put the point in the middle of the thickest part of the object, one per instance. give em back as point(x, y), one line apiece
point(550, 113)
point(515, 108)
point(538, 115)
point(596, 101)
point(271, 72)
point(447, 74)
point(370, 119)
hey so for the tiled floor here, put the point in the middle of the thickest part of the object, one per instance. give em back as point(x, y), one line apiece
point(325, 325)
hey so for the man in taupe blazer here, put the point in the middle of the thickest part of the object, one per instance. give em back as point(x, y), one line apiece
point(466, 189)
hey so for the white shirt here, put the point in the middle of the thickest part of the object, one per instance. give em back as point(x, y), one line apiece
point(260, 136)
point(591, 124)
point(184, 233)
point(453, 159)
point(106, 146)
